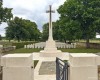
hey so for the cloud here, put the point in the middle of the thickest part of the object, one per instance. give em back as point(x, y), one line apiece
point(34, 10)
point(2, 29)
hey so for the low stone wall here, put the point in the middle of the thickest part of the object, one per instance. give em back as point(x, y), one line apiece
point(92, 45)
point(17, 67)
point(84, 66)
point(5, 49)
point(98, 72)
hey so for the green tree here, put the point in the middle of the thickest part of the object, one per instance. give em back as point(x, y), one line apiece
point(57, 31)
point(22, 29)
point(5, 13)
point(0, 37)
point(31, 27)
point(45, 32)
point(97, 24)
point(68, 29)
point(84, 12)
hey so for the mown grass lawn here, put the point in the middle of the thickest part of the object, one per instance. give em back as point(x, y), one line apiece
point(23, 50)
point(81, 50)
point(77, 50)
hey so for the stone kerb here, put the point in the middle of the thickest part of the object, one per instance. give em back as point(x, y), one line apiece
point(17, 67)
point(84, 66)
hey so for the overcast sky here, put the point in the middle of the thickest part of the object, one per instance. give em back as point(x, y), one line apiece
point(34, 10)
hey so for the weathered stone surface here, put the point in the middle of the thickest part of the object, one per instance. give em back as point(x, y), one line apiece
point(98, 72)
point(82, 59)
point(47, 68)
point(16, 60)
point(17, 67)
point(18, 73)
point(84, 66)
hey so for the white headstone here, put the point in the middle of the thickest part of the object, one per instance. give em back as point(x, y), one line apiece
point(14, 47)
point(25, 46)
point(32, 45)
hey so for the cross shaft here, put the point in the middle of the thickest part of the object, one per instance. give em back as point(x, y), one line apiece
point(50, 11)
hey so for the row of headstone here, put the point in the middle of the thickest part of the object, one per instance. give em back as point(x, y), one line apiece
point(66, 46)
point(36, 45)
point(29, 46)
point(43, 44)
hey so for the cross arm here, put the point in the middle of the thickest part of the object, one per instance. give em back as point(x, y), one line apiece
point(50, 11)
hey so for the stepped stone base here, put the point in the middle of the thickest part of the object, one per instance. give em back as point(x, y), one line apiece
point(50, 50)
point(51, 54)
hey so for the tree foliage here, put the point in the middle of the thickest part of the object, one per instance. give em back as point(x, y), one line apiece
point(0, 37)
point(22, 29)
point(62, 32)
point(69, 30)
point(45, 32)
point(83, 16)
point(5, 13)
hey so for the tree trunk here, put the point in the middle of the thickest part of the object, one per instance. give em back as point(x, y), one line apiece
point(30, 39)
point(87, 43)
point(65, 41)
point(18, 40)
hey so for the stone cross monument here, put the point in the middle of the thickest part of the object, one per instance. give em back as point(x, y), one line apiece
point(50, 43)
point(50, 21)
